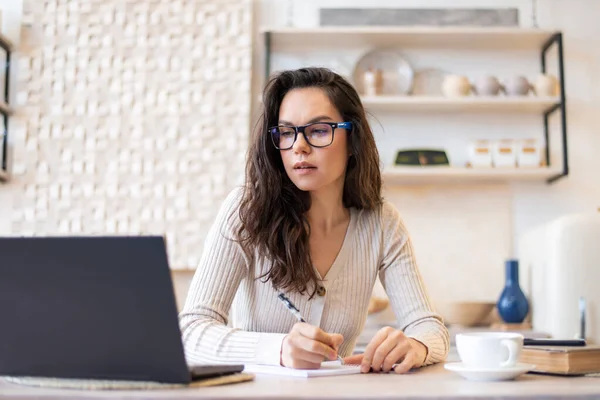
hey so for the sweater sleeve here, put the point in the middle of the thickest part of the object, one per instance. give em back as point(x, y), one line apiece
point(203, 320)
point(404, 285)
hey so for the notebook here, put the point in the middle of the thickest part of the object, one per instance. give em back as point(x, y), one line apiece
point(563, 360)
point(328, 368)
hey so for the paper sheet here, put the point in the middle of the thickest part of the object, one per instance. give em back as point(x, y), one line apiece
point(329, 368)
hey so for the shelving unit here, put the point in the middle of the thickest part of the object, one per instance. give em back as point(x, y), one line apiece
point(5, 109)
point(446, 37)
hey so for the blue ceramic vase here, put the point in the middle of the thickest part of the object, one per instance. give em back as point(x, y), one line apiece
point(512, 305)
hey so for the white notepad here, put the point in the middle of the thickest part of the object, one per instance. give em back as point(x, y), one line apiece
point(328, 368)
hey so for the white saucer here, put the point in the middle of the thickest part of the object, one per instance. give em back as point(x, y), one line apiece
point(489, 374)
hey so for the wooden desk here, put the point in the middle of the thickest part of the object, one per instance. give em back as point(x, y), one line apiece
point(428, 383)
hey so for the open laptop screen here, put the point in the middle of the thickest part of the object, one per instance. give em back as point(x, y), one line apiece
point(89, 307)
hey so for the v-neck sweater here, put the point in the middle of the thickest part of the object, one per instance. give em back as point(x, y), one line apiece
point(231, 316)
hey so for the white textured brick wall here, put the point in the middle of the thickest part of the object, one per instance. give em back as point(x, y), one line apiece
point(132, 118)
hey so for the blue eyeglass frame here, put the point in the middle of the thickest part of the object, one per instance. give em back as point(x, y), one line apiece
point(302, 129)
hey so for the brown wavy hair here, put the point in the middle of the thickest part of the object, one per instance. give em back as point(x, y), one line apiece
point(273, 210)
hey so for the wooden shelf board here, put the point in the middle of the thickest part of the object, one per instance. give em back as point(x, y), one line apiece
point(466, 37)
point(434, 174)
point(468, 103)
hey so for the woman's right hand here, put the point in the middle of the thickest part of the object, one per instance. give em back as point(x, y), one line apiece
point(307, 346)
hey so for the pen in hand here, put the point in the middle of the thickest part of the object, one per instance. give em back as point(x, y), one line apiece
point(292, 308)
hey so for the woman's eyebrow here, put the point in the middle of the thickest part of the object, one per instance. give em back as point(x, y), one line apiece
point(315, 119)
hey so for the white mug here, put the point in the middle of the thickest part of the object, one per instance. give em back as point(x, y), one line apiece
point(489, 349)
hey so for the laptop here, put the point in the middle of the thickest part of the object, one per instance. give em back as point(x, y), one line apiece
point(92, 308)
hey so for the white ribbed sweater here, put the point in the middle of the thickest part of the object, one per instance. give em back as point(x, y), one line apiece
point(376, 244)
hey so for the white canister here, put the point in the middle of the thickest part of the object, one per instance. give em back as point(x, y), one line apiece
point(504, 154)
point(529, 153)
point(480, 154)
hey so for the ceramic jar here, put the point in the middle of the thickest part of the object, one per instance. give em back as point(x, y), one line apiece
point(487, 86)
point(517, 86)
point(546, 85)
point(456, 86)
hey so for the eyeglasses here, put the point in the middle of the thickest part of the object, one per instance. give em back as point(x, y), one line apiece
point(317, 134)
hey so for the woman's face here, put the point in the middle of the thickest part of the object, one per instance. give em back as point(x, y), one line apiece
point(310, 168)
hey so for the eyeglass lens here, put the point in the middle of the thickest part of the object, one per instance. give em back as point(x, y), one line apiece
point(317, 135)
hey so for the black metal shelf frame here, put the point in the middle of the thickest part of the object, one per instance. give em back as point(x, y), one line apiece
point(7, 46)
point(556, 39)
point(561, 106)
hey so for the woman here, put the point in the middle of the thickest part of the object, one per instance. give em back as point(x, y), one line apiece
point(310, 224)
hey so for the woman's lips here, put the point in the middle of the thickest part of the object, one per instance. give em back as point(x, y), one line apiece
point(304, 168)
point(305, 171)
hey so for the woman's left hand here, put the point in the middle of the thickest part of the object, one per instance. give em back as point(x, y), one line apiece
point(390, 347)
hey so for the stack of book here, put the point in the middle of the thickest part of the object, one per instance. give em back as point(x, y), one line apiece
point(563, 360)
